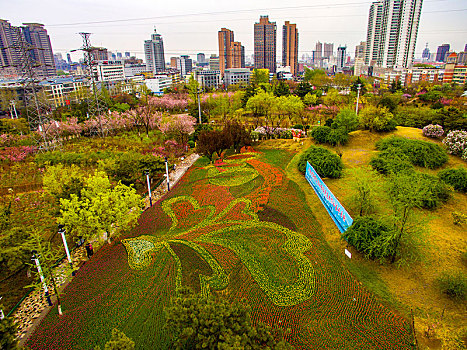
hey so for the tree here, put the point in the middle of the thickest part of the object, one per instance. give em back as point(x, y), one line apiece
point(261, 105)
point(355, 85)
point(316, 77)
point(260, 76)
point(376, 119)
point(236, 134)
point(212, 141)
point(8, 333)
point(178, 127)
point(119, 341)
point(210, 322)
point(365, 184)
point(281, 89)
point(310, 99)
point(100, 208)
point(61, 181)
point(347, 120)
point(303, 89)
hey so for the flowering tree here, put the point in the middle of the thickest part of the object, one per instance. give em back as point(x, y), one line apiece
point(169, 102)
point(178, 127)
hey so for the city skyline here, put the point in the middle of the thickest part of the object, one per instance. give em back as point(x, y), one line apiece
point(123, 27)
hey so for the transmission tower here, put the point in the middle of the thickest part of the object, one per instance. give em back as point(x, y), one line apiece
point(95, 107)
point(37, 109)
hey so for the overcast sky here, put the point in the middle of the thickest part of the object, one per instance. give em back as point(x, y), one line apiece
point(189, 27)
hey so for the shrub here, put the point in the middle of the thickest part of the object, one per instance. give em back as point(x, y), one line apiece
point(326, 163)
point(434, 131)
point(346, 119)
point(377, 119)
point(421, 153)
point(337, 137)
point(464, 155)
point(320, 133)
point(435, 191)
point(366, 234)
point(454, 285)
point(457, 178)
point(456, 142)
point(391, 161)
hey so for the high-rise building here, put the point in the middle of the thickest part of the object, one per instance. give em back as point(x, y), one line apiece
point(328, 50)
point(341, 57)
point(201, 58)
point(318, 53)
point(127, 54)
point(9, 58)
point(36, 35)
point(185, 64)
point(360, 50)
point(392, 33)
point(426, 53)
point(226, 38)
point(173, 62)
point(100, 54)
point(154, 53)
point(68, 58)
point(290, 47)
point(214, 62)
point(441, 53)
point(238, 55)
point(265, 44)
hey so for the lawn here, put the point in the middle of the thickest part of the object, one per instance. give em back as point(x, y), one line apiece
point(242, 228)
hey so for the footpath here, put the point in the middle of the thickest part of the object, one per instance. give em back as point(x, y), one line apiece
point(35, 307)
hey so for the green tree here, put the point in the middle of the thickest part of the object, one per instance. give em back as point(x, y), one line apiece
point(8, 333)
point(100, 208)
point(376, 119)
point(303, 89)
point(356, 83)
point(316, 77)
point(332, 98)
point(281, 89)
point(261, 105)
point(310, 99)
point(260, 76)
point(210, 322)
point(365, 184)
point(347, 120)
point(61, 181)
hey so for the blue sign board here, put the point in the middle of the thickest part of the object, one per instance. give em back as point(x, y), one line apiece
point(337, 212)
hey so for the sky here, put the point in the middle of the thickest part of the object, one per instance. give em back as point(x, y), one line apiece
point(189, 27)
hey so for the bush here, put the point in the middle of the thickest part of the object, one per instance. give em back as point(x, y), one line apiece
point(435, 191)
point(320, 133)
point(326, 163)
point(456, 142)
point(346, 119)
point(391, 161)
point(367, 235)
point(421, 153)
point(337, 137)
point(454, 285)
point(457, 178)
point(434, 131)
point(377, 119)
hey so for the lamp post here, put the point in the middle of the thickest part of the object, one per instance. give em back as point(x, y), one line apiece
point(35, 258)
point(199, 106)
point(2, 315)
point(146, 172)
point(61, 230)
point(359, 86)
point(167, 174)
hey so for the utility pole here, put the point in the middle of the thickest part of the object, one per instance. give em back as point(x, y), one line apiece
point(359, 86)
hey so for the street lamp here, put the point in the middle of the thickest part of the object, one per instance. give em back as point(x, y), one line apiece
point(359, 86)
point(61, 230)
point(35, 258)
point(167, 173)
point(146, 172)
point(2, 315)
point(199, 106)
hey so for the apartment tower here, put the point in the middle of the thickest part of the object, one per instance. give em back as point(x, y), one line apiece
point(238, 55)
point(290, 47)
point(154, 53)
point(226, 38)
point(392, 33)
point(265, 44)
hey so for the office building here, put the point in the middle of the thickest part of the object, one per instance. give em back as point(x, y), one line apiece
point(442, 52)
point(290, 47)
point(239, 76)
point(9, 58)
point(392, 33)
point(214, 63)
point(225, 38)
point(208, 78)
point(173, 62)
point(107, 71)
point(41, 53)
point(426, 53)
point(100, 54)
point(200, 58)
point(265, 44)
point(341, 55)
point(185, 65)
point(154, 53)
point(318, 54)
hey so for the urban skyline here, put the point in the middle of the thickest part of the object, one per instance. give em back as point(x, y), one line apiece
point(190, 32)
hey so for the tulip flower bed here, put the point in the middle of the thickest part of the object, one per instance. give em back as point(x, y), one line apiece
point(240, 228)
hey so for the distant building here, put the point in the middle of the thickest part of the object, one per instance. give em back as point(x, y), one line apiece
point(341, 55)
point(158, 84)
point(328, 50)
point(60, 89)
point(107, 71)
point(225, 38)
point(426, 53)
point(265, 44)
point(318, 54)
point(154, 53)
point(462, 57)
point(238, 55)
point(174, 62)
point(134, 69)
point(290, 47)
point(214, 62)
point(185, 65)
point(127, 54)
point(208, 78)
point(234, 76)
point(442, 52)
point(100, 54)
point(200, 58)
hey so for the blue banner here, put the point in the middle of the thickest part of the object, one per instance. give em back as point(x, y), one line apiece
point(337, 212)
